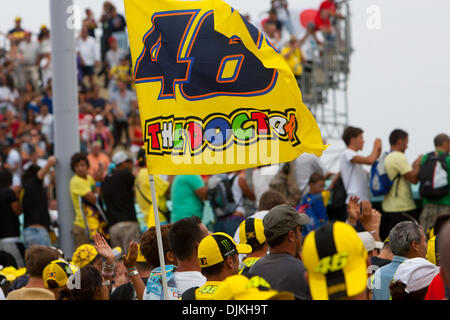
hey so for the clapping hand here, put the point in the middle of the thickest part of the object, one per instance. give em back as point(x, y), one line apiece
point(129, 260)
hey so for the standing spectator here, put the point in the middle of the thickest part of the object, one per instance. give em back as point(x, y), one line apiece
point(384, 257)
point(412, 278)
point(398, 205)
point(92, 287)
point(46, 119)
point(282, 267)
point(106, 28)
point(13, 161)
point(9, 219)
point(123, 102)
point(433, 208)
point(281, 9)
point(30, 52)
point(36, 259)
point(273, 34)
point(294, 57)
point(218, 257)
point(87, 51)
point(187, 193)
point(143, 193)
point(101, 134)
point(17, 34)
point(407, 240)
point(84, 190)
point(185, 236)
point(355, 178)
point(97, 158)
point(251, 232)
point(87, 255)
point(118, 195)
point(114, 54)
point(89, 22)
point(336, 263)
point(117, 25)
point(34, 144)
point(57, 274)
point(35, 205)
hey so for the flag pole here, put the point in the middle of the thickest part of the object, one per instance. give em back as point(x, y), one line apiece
point(158, 236)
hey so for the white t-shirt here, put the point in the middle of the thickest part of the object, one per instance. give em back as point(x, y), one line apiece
point(355, 178)
point(305, 165)
point(13, 159)
point(88, 51)
point(47, 126)
point(188, 279)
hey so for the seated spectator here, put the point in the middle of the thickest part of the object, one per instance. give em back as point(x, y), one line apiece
point(407, 240)
point(101, 133)
point(36, 259)
point(336, 263)
point(251, 232)
point(412, 278)
point(92, 287)
point(218, 257)
point(314, 203)
point(282, 266)
point(57, 274)
point(149, 248)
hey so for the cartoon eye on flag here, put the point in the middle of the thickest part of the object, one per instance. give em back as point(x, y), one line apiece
point(214, 94)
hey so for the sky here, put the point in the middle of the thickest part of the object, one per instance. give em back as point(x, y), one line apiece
point(400, 68)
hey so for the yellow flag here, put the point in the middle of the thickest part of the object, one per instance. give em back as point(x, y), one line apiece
point(214, 94)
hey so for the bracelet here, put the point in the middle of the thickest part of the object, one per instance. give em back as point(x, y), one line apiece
point(131, 269)
point(98, 184)
point(106, 283)
point(107, 274)
point(133, 273)
point(109, 266)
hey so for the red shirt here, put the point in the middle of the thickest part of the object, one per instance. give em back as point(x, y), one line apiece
point(319, 22)
point(436, 290)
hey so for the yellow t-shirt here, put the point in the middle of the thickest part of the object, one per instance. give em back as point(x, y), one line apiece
point(79, 187)
point(207, 291)
point(397, 164)
point(294, 61)
point(145, 204)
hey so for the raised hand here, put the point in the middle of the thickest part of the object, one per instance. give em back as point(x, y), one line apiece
point(103, 248)
point(129, 260)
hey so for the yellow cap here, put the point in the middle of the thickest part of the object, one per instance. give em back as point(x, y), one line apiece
point(11, 273)
point(239, 287)
point(85, 254)
point(214, 249)
point(58, 271)
point(251, 232)
point(336, 262)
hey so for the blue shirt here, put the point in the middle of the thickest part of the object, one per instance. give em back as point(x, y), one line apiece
point(382, 278)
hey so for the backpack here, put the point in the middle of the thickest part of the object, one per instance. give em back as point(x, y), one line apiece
point(220, 195)
point(433, 177)
point(379, 182)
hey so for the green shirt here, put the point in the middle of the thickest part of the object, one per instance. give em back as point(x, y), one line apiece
point(445, 200)
point(185, 202)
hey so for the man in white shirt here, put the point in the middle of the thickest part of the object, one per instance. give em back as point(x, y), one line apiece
point(88, 53)
point(355, 178)
point(46, 119)
point(30, 51)
point(184, 238)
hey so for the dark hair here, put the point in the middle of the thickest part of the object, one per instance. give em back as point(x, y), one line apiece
point(316, 177)
point(440, 222)
point(6, 178)
point(149, 244)
point(90, 281)
point(30, 173)
point(184, 235)
point(217, 268)
point(396, 135)
point(76, 158)
point(440, 139)
point(398, 292)
point(349, 133)
point(37, 258)
point(271, 198)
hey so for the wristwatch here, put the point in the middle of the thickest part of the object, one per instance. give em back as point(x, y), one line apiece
point(133, 273)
